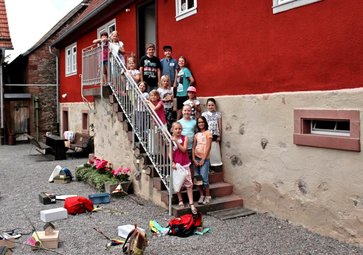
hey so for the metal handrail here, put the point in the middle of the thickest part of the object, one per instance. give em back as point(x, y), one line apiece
point(152, 135)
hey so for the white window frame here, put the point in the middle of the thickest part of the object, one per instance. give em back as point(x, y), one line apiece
point(71, 59)
point(182, 14)
point(108, 27)
point(284, 5)
point(329, 131)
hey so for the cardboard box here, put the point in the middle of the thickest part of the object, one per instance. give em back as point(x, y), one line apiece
point(124, 230)
point(62, 179)
point(47, 198)
point(100, 198)
point(53, 214)
point(7, 240)
point(5, 251)
point(48, 241)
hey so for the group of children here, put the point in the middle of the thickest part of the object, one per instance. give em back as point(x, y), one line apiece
point(196, 135)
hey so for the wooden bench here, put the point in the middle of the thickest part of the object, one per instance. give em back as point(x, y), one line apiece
point(39, 146)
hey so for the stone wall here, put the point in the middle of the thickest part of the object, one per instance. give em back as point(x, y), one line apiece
point(318, 188)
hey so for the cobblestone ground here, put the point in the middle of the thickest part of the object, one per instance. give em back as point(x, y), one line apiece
point(24, 174)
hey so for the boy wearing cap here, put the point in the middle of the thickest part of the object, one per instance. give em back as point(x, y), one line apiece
point(169, 65)
point(193, 102)
point(150, 68)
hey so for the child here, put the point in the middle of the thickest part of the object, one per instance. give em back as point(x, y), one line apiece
point(193, 102)
point(150, 68)
point(169, 65)
point(117, 46)
point(103, 42)
point(166, 94)
point(184, 80)
point(180, 156)
point(140, 112)
point(157, 105)
point(188, 125)
point(201, 149)
point(214, 120)
point(131, 68)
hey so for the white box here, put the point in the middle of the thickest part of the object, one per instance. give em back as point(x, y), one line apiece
point(53, 214)
point(48, 241)
point(124, 230)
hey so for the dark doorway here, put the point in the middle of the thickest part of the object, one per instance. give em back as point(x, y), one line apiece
point(146, 26)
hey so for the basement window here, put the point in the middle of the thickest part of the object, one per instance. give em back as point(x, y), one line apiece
point(334, 129)
point(328, 127)
point(284, 5)
point(185, 8)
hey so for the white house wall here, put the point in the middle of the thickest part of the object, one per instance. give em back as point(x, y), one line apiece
point(318, 188)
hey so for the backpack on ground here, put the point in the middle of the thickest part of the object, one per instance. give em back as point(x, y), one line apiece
point(185, 225)
point(135, 242)
point(78, 204)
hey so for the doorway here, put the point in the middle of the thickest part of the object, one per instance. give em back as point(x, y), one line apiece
point(146, 26)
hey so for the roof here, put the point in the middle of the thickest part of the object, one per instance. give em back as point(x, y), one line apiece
point(57, 26)
point(94, 8)
point(5, 40)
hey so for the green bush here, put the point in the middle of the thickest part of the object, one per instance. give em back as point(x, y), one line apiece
point(93, 177)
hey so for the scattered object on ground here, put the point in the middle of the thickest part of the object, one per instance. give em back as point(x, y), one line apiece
point(47, 241)
point(78, 204)
point(124, 230)
point(100, 198)
point(48, 228)
point(55, 172)
point(231, 213)
point(63, 197)
point(135, 242)
point(113, 241)
point(201, 231)
point(185, 225)
point(47, 198)
point(157, 229)
point(5, 251)
point(7, 240)
point(49, 215)
point(62, 179)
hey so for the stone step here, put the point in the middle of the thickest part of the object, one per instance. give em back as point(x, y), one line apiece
point(218, 203)
point(231, 213)
point(218, 189)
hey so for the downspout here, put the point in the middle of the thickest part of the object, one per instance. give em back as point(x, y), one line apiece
point(2, 130)
point(57, 84)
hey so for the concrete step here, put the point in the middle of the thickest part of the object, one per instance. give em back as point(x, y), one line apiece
point(218, 189)
point(218, 203)
point(231, 213)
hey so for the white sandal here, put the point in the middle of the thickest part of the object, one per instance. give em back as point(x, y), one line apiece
point(201, 200)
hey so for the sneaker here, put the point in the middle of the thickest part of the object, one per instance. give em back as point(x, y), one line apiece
point(207, 200)
point(201, 200)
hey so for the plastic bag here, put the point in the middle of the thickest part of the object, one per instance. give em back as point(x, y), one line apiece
point(179, 176)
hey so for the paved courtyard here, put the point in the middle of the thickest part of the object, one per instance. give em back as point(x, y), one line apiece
point(24, 174)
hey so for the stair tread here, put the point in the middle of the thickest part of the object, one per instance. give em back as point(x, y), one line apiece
point(218, 200)
point(231, 213)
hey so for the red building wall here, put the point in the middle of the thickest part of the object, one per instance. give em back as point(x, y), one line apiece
point(240, 47)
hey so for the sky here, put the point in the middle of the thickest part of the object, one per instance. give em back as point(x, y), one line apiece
point(30, 20)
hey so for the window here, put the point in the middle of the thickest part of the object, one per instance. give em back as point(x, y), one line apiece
point(328, 127)
point(185, 8)
point(334, 129)
point(284, 5)
point(71, 59)
point(108, 27)
point(85, 121)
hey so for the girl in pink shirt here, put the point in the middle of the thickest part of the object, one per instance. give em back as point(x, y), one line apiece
point(180, 155)
point(157, 105)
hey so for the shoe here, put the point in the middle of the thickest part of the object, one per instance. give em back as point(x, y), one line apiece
point(181, 205)
point(193, 209)
point(201, 200)
point(207, 200)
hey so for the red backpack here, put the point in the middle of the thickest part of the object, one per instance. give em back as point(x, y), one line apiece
point(76, 205)
point(185, 225)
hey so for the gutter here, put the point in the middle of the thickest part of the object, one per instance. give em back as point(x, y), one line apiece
point(56, 55)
